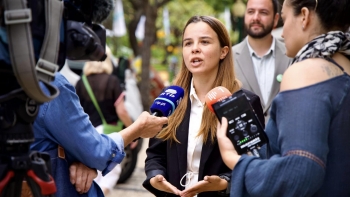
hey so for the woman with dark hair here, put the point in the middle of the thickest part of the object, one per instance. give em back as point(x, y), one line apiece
point(186, 150)
point(309, 128)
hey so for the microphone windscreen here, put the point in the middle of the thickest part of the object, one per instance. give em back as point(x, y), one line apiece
point(215, 95)
point(166, 103)
point(101, 10)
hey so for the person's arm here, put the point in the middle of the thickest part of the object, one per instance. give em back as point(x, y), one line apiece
point(298, 169)
point(145, 126)
point(68, 125)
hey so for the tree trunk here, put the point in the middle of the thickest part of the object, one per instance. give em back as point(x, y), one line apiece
point(150, 30)
point(132, 29)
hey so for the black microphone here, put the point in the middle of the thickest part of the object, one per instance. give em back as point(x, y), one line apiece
point(101, 10)
point(166, 103)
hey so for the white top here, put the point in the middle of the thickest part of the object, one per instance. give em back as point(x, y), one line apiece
point(264, 68)
point(194, 148)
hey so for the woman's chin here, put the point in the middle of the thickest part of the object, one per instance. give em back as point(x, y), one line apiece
point(290, 55)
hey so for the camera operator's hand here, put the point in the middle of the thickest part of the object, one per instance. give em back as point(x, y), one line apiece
point(145, 126)
point(227, 150)
point(81, 176)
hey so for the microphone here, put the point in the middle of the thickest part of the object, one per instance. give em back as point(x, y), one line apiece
point(215, 95)
point(101, 10)
point(166, 103)
point(243, 129)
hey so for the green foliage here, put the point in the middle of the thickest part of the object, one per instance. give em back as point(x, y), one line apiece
point(181, 10)
point(119, 46)
point(219, 5)
point(157, 52)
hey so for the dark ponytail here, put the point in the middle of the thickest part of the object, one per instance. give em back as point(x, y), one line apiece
point(334, 14)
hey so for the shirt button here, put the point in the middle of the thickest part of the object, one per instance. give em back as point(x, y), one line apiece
point(113, 155)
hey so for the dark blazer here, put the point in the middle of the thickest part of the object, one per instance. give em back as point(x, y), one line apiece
point(170, 160)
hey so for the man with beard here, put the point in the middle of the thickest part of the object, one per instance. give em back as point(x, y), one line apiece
point(260, 59)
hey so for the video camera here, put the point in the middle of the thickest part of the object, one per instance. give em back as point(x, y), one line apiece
point(74, 33)
point(36, 38)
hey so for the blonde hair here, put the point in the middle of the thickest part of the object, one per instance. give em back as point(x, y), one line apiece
point(225, 77)
point(96, 67)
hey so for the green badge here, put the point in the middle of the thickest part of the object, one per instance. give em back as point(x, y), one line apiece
point(279, 78)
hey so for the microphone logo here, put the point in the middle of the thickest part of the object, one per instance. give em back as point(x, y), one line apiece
point(212, 95)
point(217, 94)
point(169, 93)
point(166, 103)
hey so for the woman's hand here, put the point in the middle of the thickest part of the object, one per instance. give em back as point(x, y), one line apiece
point(227, 151)
point(160, 183)
point(210, 183)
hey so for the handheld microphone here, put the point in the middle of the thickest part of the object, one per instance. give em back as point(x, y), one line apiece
point(244, 129)
point(166, 103)
point(215, 95)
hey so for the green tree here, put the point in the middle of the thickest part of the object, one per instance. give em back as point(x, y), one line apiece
point(149, 8)
point(179, 12)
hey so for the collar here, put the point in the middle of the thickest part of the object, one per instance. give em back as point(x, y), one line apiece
point(193, 94)
point(271, 50)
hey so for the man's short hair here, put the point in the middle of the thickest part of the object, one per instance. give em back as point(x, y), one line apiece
point(275, 6)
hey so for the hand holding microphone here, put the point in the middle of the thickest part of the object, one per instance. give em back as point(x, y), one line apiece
point(227, 150)
point(243, 127)
point(149, 125)
point(166, 103)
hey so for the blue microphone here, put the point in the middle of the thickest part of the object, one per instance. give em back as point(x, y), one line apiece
point(166, 103)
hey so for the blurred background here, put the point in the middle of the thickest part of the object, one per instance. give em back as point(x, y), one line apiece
point(151, 30)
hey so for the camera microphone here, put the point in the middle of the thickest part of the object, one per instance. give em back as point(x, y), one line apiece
point(166, 103)
point(101, 10)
